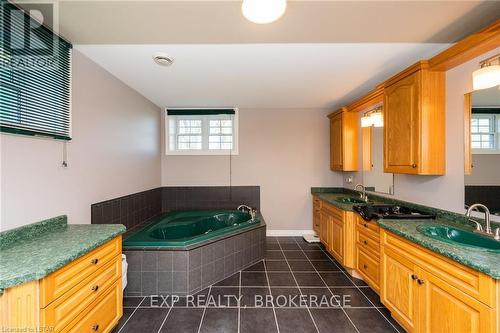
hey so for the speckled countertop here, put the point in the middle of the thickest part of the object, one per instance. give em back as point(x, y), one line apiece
point(34, 251)
point(478, 259)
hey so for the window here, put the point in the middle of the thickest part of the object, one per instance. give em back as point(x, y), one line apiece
point(485, 134)
point(202, 131)
point(35, 83)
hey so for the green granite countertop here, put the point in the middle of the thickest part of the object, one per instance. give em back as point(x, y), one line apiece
point(34, 251)
point(478, 259)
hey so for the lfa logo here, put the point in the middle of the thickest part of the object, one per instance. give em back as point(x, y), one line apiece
point(28, 41)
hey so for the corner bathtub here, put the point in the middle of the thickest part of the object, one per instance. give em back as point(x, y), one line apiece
point(182, 229)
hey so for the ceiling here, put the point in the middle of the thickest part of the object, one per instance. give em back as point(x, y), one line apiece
point(221, 22)
point(257, 75)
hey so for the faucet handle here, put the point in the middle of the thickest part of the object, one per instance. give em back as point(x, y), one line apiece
point(497, 234)
point(479, 227)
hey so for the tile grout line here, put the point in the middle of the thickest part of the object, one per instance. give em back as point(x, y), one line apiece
point(326, 284)
point(300, 291)
point(369, 300)
point(239, 304)
point(126, 321)
point(270, 293)
point(204, 309)
point(165, 319)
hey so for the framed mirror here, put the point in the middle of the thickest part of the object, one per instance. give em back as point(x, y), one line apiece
point(372, 129)
point(482, 142)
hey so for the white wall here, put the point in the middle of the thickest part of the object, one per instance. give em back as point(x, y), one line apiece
point(115, 151)
point(285, 151)
point(445, 192)
point(486, 170)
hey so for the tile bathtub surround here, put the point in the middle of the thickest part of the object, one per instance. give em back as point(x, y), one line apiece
point(209, 197)
point(35, 254)
point(188, 271)
point(364, 312)
point(130, 210)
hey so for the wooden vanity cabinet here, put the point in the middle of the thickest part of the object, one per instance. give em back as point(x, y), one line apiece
point(414, 122)
point(83, 296)
point(368, 251)
point(316, 215)
point(426, 292)
point(344, 140)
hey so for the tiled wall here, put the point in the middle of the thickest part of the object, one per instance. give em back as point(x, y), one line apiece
point(134, 209)
point(130, 210)
point(209, 197)
point(187, 272)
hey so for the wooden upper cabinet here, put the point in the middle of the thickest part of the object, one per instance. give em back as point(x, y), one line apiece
point(343, 140)
point(414, 122)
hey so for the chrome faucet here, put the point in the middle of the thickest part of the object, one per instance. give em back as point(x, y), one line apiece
point(362, 193)
point(251, 211)
point(479, 228)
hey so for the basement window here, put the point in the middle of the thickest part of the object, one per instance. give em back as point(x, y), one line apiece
point(201, 131)
point(485, 136)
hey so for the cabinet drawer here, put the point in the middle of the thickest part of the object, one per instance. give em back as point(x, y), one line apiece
point(368, 244)
point(59, 282)
point(369, 227)
point(102, 315)
point(369, 267)
point(63, 310)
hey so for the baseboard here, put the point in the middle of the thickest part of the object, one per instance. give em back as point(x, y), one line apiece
point(289, 232)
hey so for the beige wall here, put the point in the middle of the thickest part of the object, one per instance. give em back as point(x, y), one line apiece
point(486, 170)
point(285, 151)
point(446, 192)
point(115, 151)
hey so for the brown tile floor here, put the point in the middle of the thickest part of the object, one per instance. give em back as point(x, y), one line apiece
point(307, 288)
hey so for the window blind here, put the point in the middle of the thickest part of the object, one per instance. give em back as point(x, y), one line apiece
point(34, 99)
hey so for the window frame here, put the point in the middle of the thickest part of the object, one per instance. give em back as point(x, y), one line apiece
point(204, 134)
point(495, 131)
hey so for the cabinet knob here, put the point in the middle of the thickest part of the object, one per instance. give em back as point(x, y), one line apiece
point(365, 225)
point(95, 327)
point(365, 266)
point(414, 277)
point(94, 288)
point(94, 261)
point(420, 282)
point(413, 165)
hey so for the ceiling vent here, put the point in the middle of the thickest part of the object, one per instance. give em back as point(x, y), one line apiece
point(163, 59)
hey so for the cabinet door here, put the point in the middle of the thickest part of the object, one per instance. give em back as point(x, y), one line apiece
point(337, 239)
point(402, 125)
point(316, 215)
point(336, 143)
point(443, 308)
point(399, 289)
point(323, 234)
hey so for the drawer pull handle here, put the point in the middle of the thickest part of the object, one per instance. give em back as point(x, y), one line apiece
point(420, 282)
point(94, 288)
point(365, 266)
point(365, 242)
point(413, 165)
point(95, 327)
point(366, 225)
point(414, 277)
point(94, 261)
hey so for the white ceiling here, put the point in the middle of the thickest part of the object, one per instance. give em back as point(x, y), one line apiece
point(258, 75)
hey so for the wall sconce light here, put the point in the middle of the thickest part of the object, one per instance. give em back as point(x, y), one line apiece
point(373, 118)
point(488, 75)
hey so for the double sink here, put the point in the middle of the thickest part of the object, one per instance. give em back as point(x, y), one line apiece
point(440, 232)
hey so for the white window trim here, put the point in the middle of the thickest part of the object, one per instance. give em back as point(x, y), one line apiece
point(203, 152)
point(496, 133)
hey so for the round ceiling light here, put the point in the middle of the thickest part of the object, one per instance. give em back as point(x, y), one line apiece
point(163, 59)
point(263, 11)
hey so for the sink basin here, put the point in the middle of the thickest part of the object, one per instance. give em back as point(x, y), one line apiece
point(463, 237)
point(348, 200)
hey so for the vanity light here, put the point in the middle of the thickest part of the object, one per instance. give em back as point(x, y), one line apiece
point(373, 118)
point(366, 121)
point(263, 11)
point(488, 75)
point(377, 119)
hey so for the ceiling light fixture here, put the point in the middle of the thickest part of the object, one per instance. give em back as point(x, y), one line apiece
point(488, 75)
point(163, 59)
point(263, 11)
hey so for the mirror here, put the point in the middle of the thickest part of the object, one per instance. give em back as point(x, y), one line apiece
point(374, 177)
point(482, 179)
